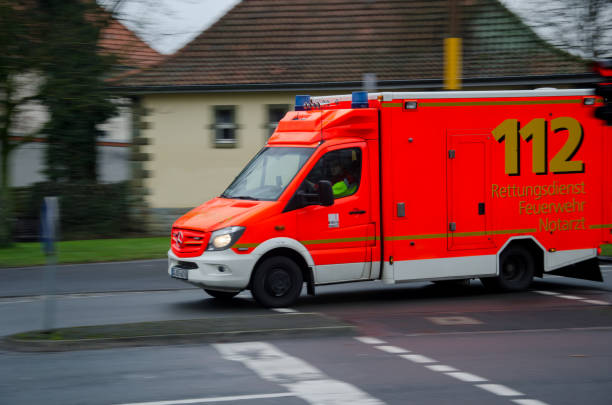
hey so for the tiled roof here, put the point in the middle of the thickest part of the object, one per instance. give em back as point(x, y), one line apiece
point(337, 41)
point(131, 52)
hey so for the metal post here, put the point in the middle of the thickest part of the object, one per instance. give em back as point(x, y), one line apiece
point(452, 50)
point(49, 230)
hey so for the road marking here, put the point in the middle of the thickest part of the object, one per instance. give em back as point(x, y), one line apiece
point(467, 377)
point(417, 358)
point(61, 295)
point(302, 379)
point(214, 399)
point(511, 331)
point(392, 349)
point(370, 340)
point(500, 390)
point(496, 389)
point(572, 297)
point(441, 368)
point(546, 292)
point(15, 302)
point(597, 302)
point(528, 402)
point(285, 310)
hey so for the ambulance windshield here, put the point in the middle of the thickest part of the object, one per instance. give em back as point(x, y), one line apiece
point(268, 174)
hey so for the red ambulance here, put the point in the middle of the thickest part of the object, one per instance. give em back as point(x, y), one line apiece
point(502, 186)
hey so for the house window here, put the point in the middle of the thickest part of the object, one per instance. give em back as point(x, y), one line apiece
point(225, 126)
point(275, 113)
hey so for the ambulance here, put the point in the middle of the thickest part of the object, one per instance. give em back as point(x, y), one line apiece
point(501, 186)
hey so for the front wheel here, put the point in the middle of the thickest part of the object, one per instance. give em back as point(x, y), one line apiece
point(516, 269)
point(277, 282)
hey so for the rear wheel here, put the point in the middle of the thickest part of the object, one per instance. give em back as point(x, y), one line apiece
point(222, 295)
point(516, 269)
point(277, 282)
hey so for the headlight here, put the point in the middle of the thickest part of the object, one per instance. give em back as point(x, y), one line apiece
point(225, 238)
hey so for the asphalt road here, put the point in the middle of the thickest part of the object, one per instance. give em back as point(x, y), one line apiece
point(424, 344)
point(142, 275)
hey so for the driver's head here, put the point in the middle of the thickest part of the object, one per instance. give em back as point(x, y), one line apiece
point(336, 168)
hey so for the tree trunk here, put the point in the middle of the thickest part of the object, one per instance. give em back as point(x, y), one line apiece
point(6, 205)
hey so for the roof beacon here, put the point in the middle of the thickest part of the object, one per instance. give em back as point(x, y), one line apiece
point(360, 99)
point(300, 102)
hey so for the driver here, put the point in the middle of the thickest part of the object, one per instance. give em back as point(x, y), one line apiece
point(343, 182)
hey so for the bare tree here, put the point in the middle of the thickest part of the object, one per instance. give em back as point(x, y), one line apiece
point(581, 27)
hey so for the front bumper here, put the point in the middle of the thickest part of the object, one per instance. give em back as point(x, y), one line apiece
point(225, 270)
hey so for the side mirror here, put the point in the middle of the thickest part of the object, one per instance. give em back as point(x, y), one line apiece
point(326, 194)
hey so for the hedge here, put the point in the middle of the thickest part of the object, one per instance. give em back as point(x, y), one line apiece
point(87, 211)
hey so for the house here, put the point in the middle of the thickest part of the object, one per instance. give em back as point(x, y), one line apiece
point(207, 109)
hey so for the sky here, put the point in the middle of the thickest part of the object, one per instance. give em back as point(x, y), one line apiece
point(168, 25)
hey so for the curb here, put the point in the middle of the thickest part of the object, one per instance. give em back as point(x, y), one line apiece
point(203, 330)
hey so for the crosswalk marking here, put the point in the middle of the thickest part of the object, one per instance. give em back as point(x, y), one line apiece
point(497, 389)
point(370, 340)
point(571, 297)
point(467, 377)
point(418, 358)
point(500, 390)
point(392, 349)
point(300, 378)
point(528, 402)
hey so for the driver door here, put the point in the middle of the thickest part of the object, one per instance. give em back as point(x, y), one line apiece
point(339, 237)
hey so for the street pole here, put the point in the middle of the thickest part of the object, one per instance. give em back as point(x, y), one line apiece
point(452, 50)
point(49, 230)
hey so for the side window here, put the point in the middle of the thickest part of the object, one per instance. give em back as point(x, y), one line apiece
point(224, 127)
point(341, 167)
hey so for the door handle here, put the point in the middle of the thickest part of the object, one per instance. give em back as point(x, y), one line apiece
point(357, 212)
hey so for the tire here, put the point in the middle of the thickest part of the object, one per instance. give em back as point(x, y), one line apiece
point(516, 270)
point(277, 282)
point(221, 295)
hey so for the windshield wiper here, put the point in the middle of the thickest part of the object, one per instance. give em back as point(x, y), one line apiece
point(243, 197)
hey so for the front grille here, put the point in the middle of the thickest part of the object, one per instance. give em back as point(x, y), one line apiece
point(188, 243)
point(187, 265)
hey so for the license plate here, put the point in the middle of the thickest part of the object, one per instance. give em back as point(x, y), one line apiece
point(177, 272)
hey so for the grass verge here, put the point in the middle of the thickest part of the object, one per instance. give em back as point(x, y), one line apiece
point(86, 251)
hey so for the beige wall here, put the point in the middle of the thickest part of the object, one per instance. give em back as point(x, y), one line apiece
point(185, 168)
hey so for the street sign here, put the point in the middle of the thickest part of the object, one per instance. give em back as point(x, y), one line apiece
point(49, 224)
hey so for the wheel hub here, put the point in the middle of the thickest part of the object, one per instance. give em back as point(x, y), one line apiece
point(278, 282)
point(513, 269)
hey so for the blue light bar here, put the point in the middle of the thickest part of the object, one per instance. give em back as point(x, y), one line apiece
point(360, 99)
point(300, 101)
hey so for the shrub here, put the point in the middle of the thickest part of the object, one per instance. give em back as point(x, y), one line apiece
point(86, 210)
